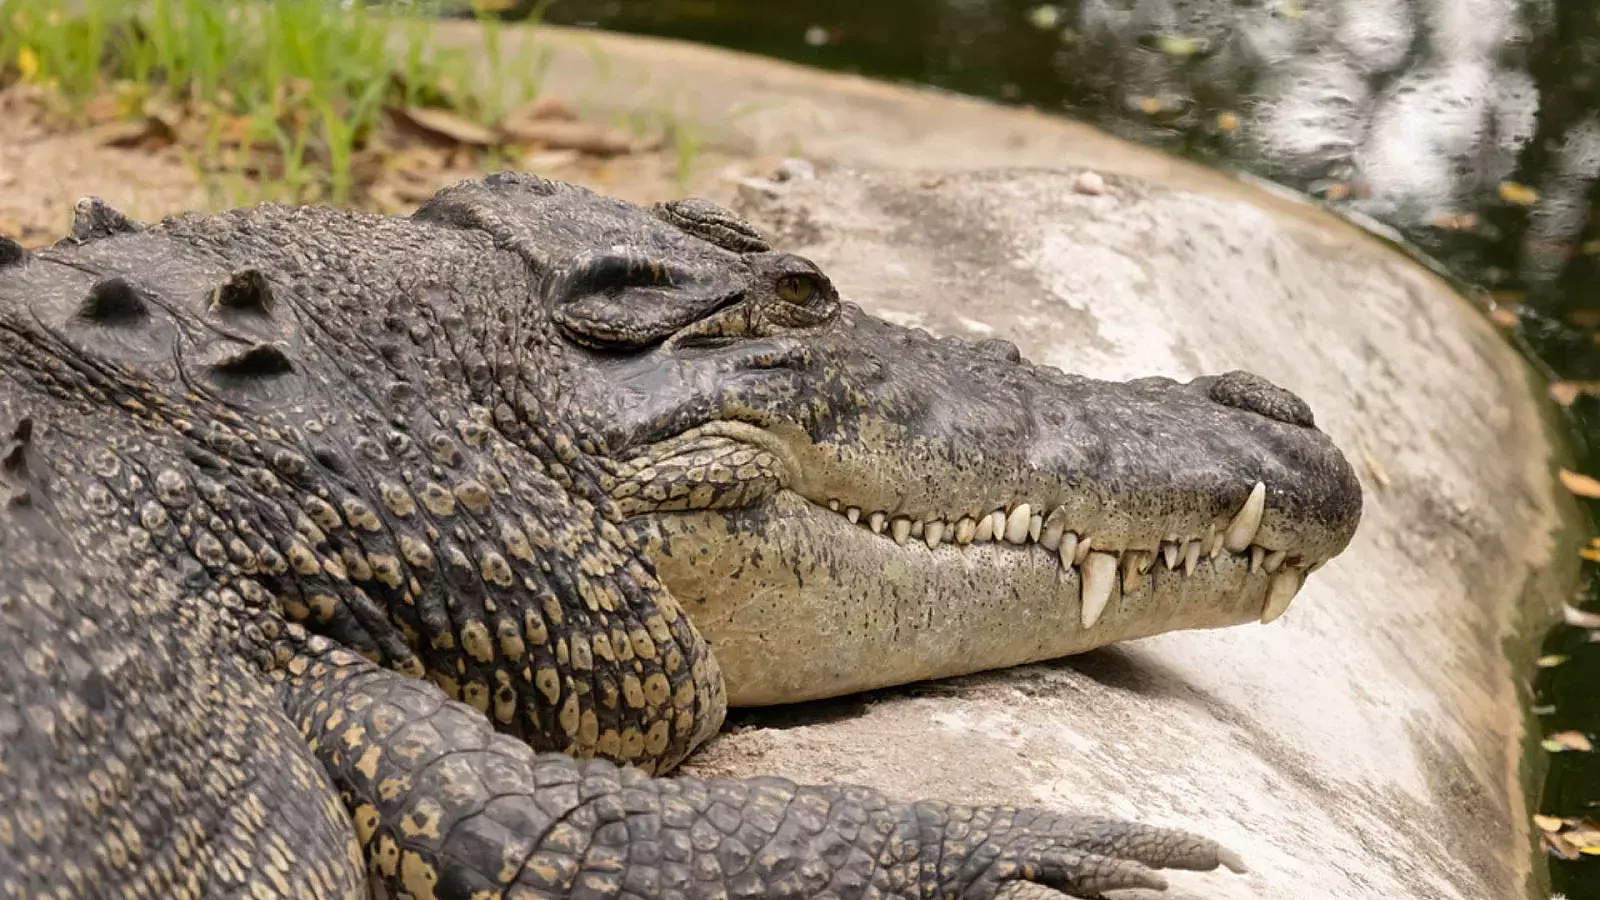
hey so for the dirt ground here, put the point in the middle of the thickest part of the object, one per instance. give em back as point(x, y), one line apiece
point(43, 172)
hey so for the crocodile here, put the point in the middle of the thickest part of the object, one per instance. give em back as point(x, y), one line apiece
point(331, 550)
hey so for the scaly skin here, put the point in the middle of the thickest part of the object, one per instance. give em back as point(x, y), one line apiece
point(313, 569)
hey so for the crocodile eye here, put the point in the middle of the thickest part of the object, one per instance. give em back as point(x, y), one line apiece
point(796, 289)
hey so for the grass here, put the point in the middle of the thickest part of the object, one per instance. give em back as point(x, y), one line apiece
point(289, 93)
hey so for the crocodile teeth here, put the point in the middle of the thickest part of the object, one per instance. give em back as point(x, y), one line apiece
point(997, 523)
point(875, 522)
point(1067, 548)
point(1134, 565)
point(1257, 554)
point(833, 505)
point(1035, 527)
point(916, 528)
point(853, 514)
point(1016, 524)
point(1213, 542)
point(1191, 557)
point(1247, 521)
point(1099, 577)
point(901, 530)
point(1285, 584)
point(1054, 525)
point(933, 532)
point(1169, 553)
point(966, 530)
point(1274, 560)
point(985, 530)
point(1084, 543)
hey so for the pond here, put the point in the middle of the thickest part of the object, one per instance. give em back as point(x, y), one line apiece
point(1468, 130)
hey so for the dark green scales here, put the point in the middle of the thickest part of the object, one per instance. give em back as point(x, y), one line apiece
point(323, 554)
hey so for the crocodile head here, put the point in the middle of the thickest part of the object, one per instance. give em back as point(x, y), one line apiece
point(842, 503)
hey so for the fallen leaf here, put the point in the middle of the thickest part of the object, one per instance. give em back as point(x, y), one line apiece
point(1585, 836)
point(1227, 121)
point(1589, 248)
point(1505, 318)
point(1567, 740)
point(1149, 105)
point(1583, 318)
point(1549, 823)
point(1564, 392)
point(129, 133)
point(1551, 661)
point(544, 108)
point(1582, 485)
point(1559, 846)
point(446, 124)
point(554, 134)
point(1579, 618)
point(1592, 554)
point(1455, 221)
point(1520, 194)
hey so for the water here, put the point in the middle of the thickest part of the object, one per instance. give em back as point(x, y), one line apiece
point(1472, 127)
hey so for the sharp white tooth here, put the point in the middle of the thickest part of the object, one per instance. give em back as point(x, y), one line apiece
point(1169, 554)
point(1084, 543)
point(933, 532)
point(833, 505)
point(1050, 537)
point(853, 514)
point(1035, 527)
point(1067, 548)
point(997, 523)
point(875, 522)
point(1257, 554)
point(901, 530)
point(1280, 592)
point(1191, 557)
point(1213, 542)
point(1247, 521)
point(916, 528)
point(1132, 571)
point(1016, 524)
point(966, 530)
point(985, 529)
point(1099, 577)
point(1274, 560)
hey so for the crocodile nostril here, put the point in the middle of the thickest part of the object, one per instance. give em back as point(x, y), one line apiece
point(1245, 390)
point(999, 349)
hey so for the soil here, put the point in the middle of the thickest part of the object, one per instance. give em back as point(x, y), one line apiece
point(44, 170)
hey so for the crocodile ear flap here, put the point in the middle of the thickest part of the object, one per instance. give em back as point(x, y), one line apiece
point(619, 301)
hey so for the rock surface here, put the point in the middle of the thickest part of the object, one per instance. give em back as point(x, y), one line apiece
point(1364, 746)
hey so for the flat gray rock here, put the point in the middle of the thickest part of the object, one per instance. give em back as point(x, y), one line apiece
point(1367, 744)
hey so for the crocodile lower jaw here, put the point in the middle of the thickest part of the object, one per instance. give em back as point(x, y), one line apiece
point(1100, 569)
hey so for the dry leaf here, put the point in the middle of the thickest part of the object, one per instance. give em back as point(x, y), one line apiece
point(1582, 485)
point(1520, 194)
point(1227, 121)
point(446, 124)
point(555, 134)
point(1583, 318)
point(1557, 845)
point(1567, 740)
point(544, 108)
point(1564, 392)
point(1579, 618)
point(1592, 554)
point(1585, 836)
point(1505, 318)
point(1149, 105)
point(1550, 662)
point(1549, 823)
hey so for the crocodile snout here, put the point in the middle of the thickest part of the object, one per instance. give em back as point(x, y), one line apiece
point(1248, 391)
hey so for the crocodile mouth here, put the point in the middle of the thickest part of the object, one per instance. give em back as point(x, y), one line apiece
point(1103, 570)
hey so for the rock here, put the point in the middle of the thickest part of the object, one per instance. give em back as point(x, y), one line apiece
point(1363, 746)
point(1089, 182)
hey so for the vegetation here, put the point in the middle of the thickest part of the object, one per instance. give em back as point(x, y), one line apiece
point(296, 96)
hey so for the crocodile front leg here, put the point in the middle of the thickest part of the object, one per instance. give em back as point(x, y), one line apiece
point(446, 807)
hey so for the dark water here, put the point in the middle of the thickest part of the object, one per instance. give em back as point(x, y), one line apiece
point(1470, 127)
